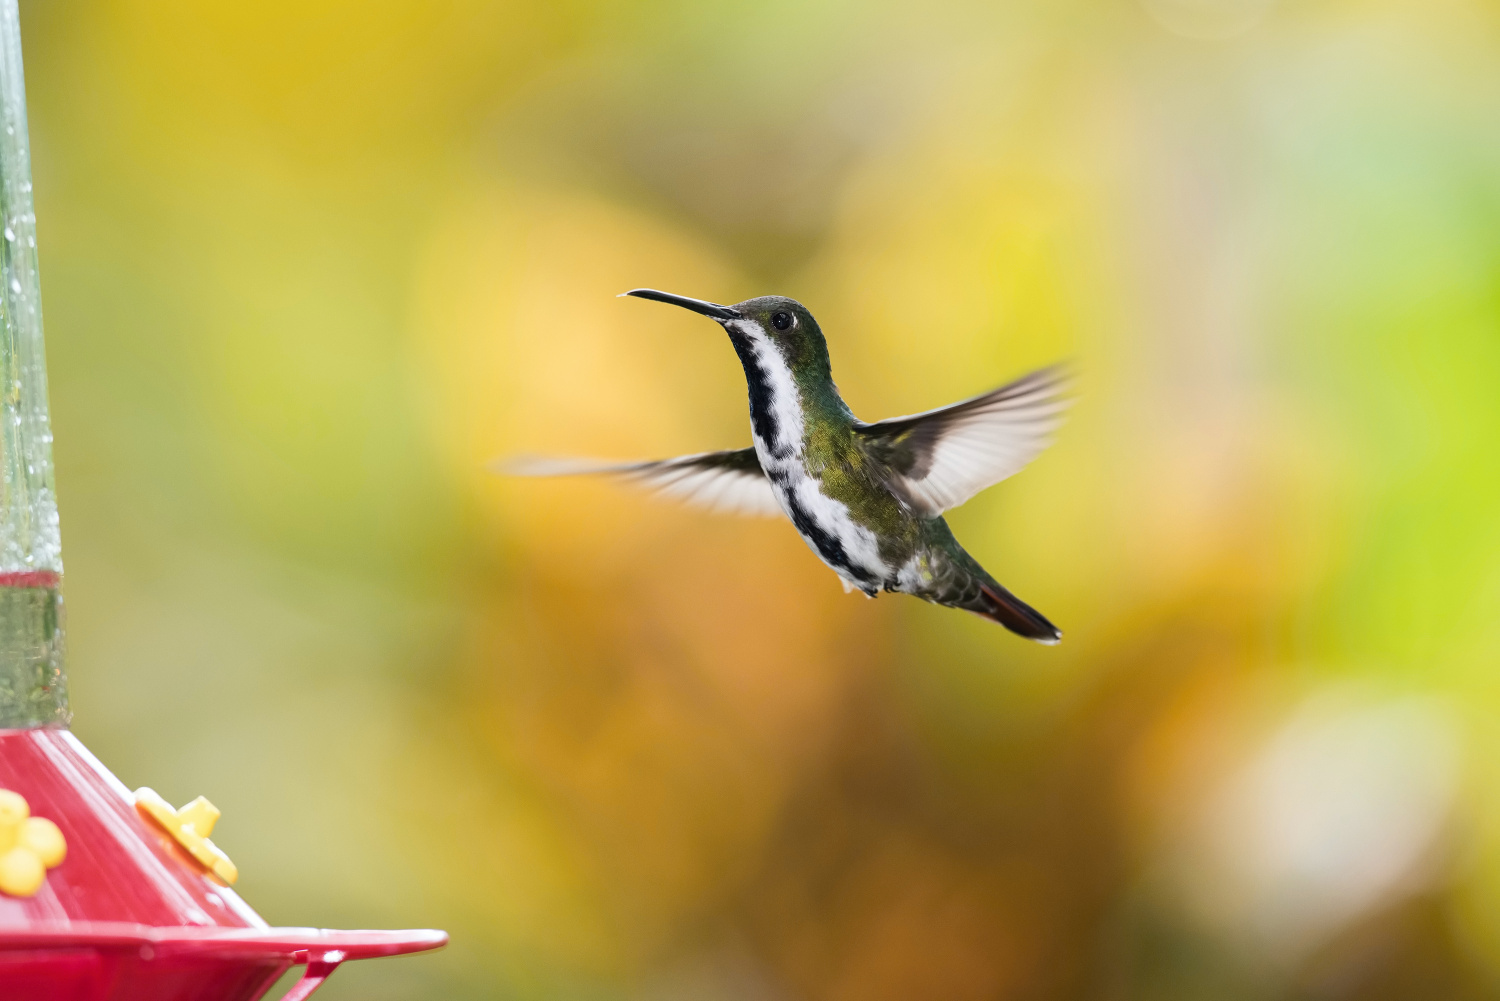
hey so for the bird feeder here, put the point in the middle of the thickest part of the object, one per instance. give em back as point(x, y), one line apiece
point(105, 892)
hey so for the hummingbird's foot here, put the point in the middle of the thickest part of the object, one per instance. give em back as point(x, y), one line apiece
point(849, 587)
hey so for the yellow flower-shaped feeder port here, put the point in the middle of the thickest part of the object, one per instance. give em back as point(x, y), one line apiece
point(191, 826)
point(29, 846)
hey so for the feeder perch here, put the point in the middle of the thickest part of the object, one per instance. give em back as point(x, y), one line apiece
point(104, 893)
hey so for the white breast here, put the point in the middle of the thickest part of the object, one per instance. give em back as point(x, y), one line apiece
point(795, 487)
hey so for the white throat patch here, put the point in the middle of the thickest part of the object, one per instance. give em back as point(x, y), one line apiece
point(797, 489)
point(786, 400)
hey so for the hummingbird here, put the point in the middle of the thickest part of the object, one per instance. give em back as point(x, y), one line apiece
point(868, 499)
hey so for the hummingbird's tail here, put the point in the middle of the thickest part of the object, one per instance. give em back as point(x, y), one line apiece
point(999, 605)
point(954, 578)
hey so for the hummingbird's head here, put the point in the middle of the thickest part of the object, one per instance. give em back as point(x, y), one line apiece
point(772, 321)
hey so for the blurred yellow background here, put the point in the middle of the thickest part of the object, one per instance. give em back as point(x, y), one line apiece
point(308, 266)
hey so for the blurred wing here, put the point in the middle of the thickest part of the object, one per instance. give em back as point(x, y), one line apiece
point(939, 459)
point(730, 482)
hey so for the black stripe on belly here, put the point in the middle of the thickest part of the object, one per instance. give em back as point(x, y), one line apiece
point(828, 545)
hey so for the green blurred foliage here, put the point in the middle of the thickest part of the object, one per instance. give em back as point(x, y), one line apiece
point(307, 267)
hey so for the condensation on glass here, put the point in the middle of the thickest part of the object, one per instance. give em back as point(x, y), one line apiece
point(33, 687)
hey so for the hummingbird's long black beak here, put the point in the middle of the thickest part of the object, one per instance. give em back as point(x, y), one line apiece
point(712, 309)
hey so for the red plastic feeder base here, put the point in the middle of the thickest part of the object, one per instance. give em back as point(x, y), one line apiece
point(129, 915)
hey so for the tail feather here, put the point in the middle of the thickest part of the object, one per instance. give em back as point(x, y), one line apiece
point(958, 581)
point(999, 605)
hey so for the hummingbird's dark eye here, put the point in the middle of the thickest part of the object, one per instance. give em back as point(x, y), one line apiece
point(781, 321)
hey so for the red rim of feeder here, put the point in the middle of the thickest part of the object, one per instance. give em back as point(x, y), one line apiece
point(297, 944)
point(135, 897)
